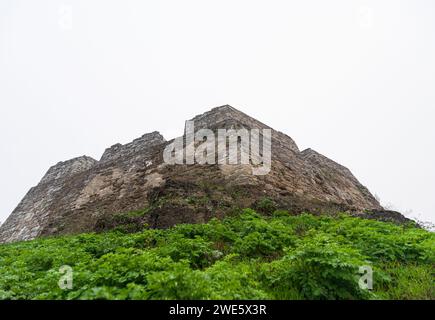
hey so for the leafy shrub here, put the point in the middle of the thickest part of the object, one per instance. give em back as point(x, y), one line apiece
point(248, 256)
point(266, 205)
point(384, 241)
point(280, 213)
point(38, 262)
point(319, 269)
point(230, 279)
point(197, 251)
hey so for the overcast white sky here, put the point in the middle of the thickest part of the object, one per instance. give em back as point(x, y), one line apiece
point(353, 80)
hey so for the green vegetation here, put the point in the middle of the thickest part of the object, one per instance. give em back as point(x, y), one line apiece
point(266, 205)
point(247, 256)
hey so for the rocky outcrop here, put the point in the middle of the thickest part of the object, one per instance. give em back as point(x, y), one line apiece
point(30, 217)
point(135, 149)
point(82, 194)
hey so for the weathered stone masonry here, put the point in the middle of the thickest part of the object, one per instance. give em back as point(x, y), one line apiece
point(77, 195)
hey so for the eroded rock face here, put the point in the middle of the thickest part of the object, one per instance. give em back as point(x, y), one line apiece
point(82, 194)
point(28, 220)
